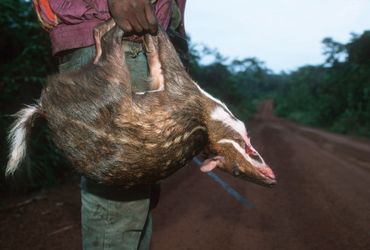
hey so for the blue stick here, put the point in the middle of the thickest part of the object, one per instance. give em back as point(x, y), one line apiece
point(227, 187)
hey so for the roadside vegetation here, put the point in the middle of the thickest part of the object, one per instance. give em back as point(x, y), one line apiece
point(334, 95)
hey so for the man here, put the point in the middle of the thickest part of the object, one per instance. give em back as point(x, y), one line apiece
point(112, 218)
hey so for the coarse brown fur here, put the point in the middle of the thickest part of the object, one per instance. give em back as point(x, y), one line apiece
point(115, 136)
point(119, 137)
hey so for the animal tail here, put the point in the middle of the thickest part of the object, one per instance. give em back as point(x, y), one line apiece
point(18, 136)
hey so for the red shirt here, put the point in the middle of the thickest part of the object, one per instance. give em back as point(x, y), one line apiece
point(71, 22)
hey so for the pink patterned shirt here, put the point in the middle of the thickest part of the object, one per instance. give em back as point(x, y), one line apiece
point(71, 22)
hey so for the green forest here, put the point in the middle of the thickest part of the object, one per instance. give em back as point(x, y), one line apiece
point(334, 95)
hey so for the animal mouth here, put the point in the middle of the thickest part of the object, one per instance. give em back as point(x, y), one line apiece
point(268, 176)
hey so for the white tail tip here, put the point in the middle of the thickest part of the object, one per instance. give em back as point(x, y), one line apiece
point(17, 137)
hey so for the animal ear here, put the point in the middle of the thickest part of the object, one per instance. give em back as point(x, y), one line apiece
point(211, 163)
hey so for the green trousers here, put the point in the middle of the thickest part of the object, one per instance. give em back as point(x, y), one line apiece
point(112, 219)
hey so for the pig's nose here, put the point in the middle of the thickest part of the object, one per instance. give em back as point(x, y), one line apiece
point(267, 172)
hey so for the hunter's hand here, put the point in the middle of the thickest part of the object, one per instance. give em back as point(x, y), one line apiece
point(134, 16)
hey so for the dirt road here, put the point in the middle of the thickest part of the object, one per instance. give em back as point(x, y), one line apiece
point(321, 201)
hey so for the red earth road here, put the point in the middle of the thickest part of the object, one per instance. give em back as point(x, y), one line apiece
point(321, 201)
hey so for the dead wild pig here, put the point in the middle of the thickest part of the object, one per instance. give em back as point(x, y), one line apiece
point(118, 137)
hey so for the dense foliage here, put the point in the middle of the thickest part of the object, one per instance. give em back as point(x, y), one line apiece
point(25, 62)
point(334, 95)
point(241, 84)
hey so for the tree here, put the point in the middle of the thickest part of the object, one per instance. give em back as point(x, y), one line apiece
point(333, 50)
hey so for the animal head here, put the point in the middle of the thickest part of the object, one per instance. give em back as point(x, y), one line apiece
point(235, 154)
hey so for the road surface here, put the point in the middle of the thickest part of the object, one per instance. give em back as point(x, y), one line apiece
point(321, 201)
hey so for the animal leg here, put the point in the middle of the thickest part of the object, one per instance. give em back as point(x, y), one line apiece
point(155, 68)
point(167, 53)
point(99, 32)
point(212, 163)
point(110, 54)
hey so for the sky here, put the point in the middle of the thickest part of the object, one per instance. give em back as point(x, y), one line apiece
point(285, 34)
